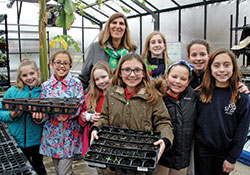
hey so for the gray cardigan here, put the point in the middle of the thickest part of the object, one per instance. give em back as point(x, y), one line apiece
point(94, 54)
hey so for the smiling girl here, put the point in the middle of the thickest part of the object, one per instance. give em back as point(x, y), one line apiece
point(21, 125)
point(132, 102)
point(223, 116)
point(61, 133)
point(100, 77)
point(155, 54)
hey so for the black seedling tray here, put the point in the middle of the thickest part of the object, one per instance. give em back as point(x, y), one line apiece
point(50, 109)
point(13, 161)
point(124, 148)
point(4, 134)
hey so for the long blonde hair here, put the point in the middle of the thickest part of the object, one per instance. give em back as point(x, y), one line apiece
point(105, 36)
point(19, 82)
point(94, 94)
point(147, 82)
point(146, 54)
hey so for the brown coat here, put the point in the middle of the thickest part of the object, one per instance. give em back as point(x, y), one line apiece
point(135, 113)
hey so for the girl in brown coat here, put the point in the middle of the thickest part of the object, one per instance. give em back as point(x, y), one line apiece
point(132, 102)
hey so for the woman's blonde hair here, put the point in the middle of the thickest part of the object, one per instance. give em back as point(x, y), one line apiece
point(126, 41)
point(146, 54)
point(19, 82)
point(208, 83)
point(94, 90)
point(147, 82)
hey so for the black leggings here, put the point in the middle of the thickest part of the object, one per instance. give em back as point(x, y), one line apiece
point(35, 159)
point(209, 162)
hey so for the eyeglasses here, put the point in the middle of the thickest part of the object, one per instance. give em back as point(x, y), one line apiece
point(61, 64)
point(128, 71)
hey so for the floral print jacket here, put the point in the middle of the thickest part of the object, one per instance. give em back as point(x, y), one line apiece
point(61, 139)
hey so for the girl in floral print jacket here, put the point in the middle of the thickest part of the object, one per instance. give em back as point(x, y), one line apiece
point(61, 138)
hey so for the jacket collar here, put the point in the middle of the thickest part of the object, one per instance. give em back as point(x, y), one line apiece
point(27, 88)
point(141, 93)
point(65, 81)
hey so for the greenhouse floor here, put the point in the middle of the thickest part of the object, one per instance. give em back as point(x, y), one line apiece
point(81, 168)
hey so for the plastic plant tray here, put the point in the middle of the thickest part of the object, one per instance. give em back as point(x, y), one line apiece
point(44, 108)
point(124, 148)
point(13, 161)
point(4, 135)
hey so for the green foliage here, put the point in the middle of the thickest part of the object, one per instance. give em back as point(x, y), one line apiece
point(66, 17)
point(126, 10)
point(64, 41)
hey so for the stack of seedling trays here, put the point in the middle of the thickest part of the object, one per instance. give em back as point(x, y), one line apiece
point(124, 148)
point(12, 159)
point(46, 105)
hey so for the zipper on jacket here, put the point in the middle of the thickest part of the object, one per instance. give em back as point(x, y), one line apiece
point(25, 120)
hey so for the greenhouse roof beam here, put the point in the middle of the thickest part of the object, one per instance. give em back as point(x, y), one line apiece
point(91, 18)
point(95, 9)
point(182, 7)
point(154, 14)
point(130, 7)
point(151, 5)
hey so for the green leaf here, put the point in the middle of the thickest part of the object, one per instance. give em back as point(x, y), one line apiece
point(69, 7)
point(60, 22)
point(69, 21)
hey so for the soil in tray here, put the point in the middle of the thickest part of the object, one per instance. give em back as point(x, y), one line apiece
point(139, 154)
point(91, 155)
point(127, 153)
point(95, 148)
point(116, 151)
point(149, 163)
point(106, 150)
point(125, 161)
point(137, 162)
point(150, 154)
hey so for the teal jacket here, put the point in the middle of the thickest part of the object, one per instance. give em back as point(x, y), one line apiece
point(24, 130)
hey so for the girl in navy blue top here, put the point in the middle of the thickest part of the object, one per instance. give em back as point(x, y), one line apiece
point(223, 116)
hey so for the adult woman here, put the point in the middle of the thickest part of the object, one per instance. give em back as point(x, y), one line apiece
point(114, 42)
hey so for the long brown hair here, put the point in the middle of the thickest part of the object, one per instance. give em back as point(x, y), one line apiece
point(19, 82)
point(146, 52)
point(153, 93)
point(126, 41)
point(208, 83)
point(94, 90)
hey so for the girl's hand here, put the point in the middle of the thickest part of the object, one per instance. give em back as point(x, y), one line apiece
point(83, 116)
point(93, 136)
point(14, 114)
point(96, 117)
point(243, 88)
point(62, 117)
point(38, 115)
point(162, 148)
point(228, 167)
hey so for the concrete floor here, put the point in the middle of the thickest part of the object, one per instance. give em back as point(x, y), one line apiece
point(81, 168)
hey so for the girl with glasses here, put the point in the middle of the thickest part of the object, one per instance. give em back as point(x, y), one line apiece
point(133, 102)
point(61, 133)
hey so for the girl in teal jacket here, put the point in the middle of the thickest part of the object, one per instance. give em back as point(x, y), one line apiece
point(25, 131)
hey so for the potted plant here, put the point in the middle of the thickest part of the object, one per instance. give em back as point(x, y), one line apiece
point(2, 59)
point(64, 42)
point(2, 43)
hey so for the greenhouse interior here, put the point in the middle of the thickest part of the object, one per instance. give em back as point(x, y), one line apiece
point(37, 29)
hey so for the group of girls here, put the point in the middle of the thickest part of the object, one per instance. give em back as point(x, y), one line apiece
point(216, 117)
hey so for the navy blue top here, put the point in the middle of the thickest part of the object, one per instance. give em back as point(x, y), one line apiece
point(221, 125)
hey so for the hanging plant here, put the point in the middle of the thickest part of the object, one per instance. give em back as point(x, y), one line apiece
point(66, 16)
point(64, 42)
